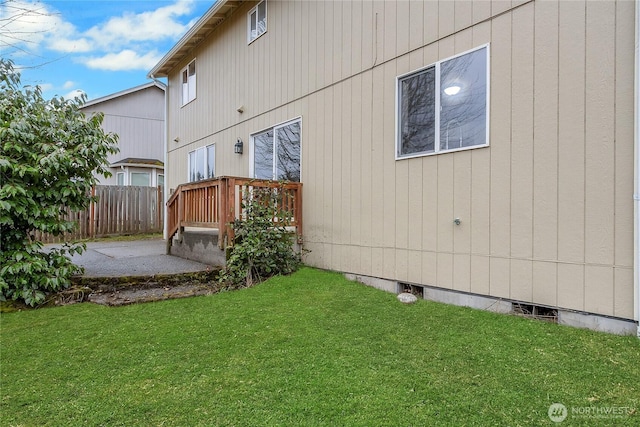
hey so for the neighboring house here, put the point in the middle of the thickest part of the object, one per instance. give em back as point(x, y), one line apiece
point(136, 115)
point(483, 150)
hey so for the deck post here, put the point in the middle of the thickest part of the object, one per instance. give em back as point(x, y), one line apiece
point(222, 211)
point(231, 204)
point(298, 213)
point(169, 243)
point(181, 208)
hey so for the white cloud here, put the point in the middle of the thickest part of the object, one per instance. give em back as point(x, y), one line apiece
point(76, 93)
point(27, 24)
point(30, 25)
point(124, 61)
point(46, 87)
point(125, 42)
point(50, 89)
point(67, 45)
point(147, 26)
point(35, 24)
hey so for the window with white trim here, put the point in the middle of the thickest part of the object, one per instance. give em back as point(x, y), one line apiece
point(257, 21)
point(189, 82)
point(202, 163)
point(276, 152)
point(142, 179)
point(120, 178)
point(445, 106)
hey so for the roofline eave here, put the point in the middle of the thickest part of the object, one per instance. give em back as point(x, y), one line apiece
point(211, 19)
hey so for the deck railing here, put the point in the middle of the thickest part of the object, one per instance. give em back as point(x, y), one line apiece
point(217, 202)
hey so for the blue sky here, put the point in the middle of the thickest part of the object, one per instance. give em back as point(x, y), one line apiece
point(96, 47)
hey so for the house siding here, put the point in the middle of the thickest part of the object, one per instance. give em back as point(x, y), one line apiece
point(546, 210)
point(138, 120)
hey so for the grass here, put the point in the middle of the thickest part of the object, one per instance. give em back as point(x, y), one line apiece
point(312, 349)
point(124, 238)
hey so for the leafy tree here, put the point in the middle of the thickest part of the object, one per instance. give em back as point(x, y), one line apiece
point(262, 246)
point(50, 157)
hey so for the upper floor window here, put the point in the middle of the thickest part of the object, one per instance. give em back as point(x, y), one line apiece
point(202, 163)
point(257, 21)
point(444, 107)
point(189, 83)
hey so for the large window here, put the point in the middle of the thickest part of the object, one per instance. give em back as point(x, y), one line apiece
point(202, 163)
point(257, 21)
point(276, 153)
point(444, 107)
point(189, 83)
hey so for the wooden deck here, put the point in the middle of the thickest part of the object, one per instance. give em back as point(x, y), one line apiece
point(217, 202)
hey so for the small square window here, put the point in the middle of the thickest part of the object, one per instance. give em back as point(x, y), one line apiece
point(257, 21)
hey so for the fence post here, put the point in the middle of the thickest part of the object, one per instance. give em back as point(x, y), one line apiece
point(92, 214)
point(158, 219)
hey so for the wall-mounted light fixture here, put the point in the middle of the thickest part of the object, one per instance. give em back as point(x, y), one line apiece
point(240, 109)
point(238, 147)
point(176, 139)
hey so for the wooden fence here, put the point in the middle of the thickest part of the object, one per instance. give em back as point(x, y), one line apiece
point(120, 210)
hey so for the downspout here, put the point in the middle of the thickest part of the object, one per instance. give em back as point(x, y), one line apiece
point(165, 190)
point(636, 182)
point(165, 230)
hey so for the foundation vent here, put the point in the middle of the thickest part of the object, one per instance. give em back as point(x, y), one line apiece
point(536, 312)
point(416, 290)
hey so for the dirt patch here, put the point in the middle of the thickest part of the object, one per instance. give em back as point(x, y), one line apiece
point(115, 291)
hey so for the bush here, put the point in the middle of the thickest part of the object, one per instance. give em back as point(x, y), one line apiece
point(49, 153)
point(263, 247)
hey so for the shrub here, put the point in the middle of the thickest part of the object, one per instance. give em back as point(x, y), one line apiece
point(49, 153)
point(263, 247)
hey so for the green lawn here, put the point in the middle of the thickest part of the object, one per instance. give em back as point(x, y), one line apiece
point(311, 349)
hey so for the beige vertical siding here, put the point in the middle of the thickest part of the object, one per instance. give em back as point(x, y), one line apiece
point(546, 210)
point(571, 133)
point(545, 148)
point(599, 156)
point(623, 231)
point(138, 120)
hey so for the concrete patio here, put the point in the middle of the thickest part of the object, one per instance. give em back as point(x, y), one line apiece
point(132, 258)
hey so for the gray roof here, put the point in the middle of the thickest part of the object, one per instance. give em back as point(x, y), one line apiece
point(129, 161)
point(155, 83)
